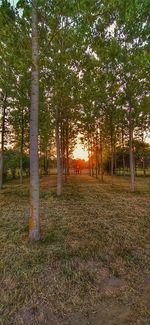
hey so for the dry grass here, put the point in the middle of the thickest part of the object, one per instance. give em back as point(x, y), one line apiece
point(92, 264)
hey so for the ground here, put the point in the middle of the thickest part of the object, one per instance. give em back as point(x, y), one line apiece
point(92, 263)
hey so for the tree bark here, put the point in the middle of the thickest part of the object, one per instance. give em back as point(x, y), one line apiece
point(67, 150)
point(112, 160)
point(2, 142)
point(89, 156)
point(34, 226)
point(21, 148)
point(112, 165)
point(59, 162)
point(1, 169)
point(96, 156)
point(21, 166)
point(115, 160)
point(132, 172)
point(123, 162)
point(46, 163)
point(92, 158)
point(123, 158)
point(101, 157)
point(143, 161)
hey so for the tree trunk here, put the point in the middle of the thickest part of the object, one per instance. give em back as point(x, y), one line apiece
point(96, 156)
point(1, 169)
point(62, 147)
point(92, 158)
point(132, 174)
point(101, 164)
point(112, 150)
point(143, 161)
point(59, 162)
point(123, 162)
point(144, 169)
point(21, 166)
point(2, 142)
point(101, 158)
point(135, 166)
point(112, 166)
point(34, 227)
point(90, 173)
point(112, 161)
point(21, 149)
point(46, 163)
point(67, 159)
point(89, 157)
point(123, 158)
point(115, 160)
point(67, 150)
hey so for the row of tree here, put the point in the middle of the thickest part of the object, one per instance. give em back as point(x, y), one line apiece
point(17, 166)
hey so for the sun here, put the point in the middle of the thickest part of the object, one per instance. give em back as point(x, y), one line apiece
point(80, 152)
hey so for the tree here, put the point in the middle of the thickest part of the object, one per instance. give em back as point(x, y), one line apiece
point(34, 226)
point(7, 20)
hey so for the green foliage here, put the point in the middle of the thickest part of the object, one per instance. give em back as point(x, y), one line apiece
point(12, 163)
point(94, 61)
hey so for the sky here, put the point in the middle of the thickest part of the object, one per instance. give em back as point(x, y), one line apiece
point(13, 2)
point(80, 152)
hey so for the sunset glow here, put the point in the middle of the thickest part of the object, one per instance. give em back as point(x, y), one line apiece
point(80, 152)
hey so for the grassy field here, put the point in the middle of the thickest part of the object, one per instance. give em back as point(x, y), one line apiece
point(92, 263)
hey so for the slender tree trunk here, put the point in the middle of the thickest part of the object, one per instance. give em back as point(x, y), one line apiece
point(143, 162)
point(63, 153)
point(123, 162)
point(96, 156)
point(144, 169)
point(46, 163)
point(112, 161)
point(89, 157)
point(92, 158)
point(135, 166)
point(112, 150)
point(62, 147)
point(34, 227)
point(101, 158)
point(89, 163)
point(21, 166)
point(1, 169)
point(112, 165)
point(2, 142)
point(123, 158)
point(115, 160)
point(67, 150)
point(132, 172)
point(21, 149)
point(67, 158)
point(59, 162)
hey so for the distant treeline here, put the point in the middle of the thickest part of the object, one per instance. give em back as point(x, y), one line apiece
point(16, 165)
point(14, 162)
point(141, 153)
